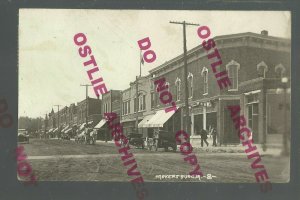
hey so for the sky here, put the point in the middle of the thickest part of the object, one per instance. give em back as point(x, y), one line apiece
point(51, 70)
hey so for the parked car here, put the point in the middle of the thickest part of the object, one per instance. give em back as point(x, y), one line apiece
point(136, 140)
point(23, 135)
point(161, 139)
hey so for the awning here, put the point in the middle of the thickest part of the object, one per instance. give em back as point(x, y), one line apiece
point(145, 120)
point(100, 124)
point(81, 134)
point(69, 129)
point(158, 119)
point(50, 130)
point(82, 125)
point(64, 129)
point(55, 129)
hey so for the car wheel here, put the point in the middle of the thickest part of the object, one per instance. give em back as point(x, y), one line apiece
point(174, 148)
point(166, 148)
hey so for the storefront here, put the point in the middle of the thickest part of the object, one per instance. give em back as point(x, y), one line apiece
point(103, 132)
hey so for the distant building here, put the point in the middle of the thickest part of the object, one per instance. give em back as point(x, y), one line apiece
point(131, 106)
point(91, 107)
point(111, 102)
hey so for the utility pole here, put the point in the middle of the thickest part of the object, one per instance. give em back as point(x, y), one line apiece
point(86, 103)
point(46, 124)
point(285, 107)
point(137, 96)
point(58, 118)
point(187, 126)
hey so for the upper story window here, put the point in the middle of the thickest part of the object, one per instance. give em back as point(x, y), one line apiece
point(168, 84)
point(152, 86)
point(126, 107)
point(153, 100)
point(178, 89)
point(190, 84)
point(134, 105)
point(280, 71)
point(142, 102)
point(204, 74)
point(233, 74)
point(262, 69)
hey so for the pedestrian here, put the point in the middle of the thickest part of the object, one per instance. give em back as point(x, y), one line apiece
point(203, 137)
point(214, 134)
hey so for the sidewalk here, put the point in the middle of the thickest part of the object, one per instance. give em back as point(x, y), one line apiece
point(101, 141)
point(273, 150)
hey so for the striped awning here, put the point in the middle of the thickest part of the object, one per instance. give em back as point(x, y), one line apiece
point(100, 124)
point(158, 119)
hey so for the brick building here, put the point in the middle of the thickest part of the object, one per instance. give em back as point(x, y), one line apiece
point(131, 107)
point(111, 102)
point(254, 62)
point(91, 107)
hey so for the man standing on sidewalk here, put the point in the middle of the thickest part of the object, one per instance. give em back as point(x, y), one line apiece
point(204, 137)
point(214, 134)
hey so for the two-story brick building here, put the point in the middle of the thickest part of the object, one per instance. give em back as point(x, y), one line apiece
point(254, 63)
point(90, 107)
point(111, 102)
point(134, 109)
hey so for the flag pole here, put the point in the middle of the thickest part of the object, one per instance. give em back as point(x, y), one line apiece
point(141, 60)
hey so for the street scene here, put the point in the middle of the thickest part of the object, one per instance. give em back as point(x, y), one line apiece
point(57, 160)
point(217, 95)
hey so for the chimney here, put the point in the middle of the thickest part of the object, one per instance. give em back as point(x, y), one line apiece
point(264, 32)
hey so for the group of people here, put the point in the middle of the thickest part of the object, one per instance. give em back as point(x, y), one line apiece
point(204, 136)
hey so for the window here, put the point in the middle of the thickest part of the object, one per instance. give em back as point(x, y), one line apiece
point(152, 85)
point(262, 68)
point(126, 107)
point(280, 71)
point(168, 84)
point(142, 103)
point(190, 85)
point(204, 74)
point(125, 104)
point(152, 100)
point(233, 70)
point(135, 103)
point(128, 103)
point(178, 89)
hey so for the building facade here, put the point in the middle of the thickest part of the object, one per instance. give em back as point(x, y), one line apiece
point(111, 102)
point(255, 64)
point(133, 108)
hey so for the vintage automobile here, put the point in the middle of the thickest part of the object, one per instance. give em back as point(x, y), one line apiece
point(23, 135)
point(136, 140)
point(161, 139)
point(65, 136)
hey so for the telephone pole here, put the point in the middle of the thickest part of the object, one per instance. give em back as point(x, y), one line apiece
point(58, 119)
point(187, 126)
point(137, 96)
point(86, 102)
